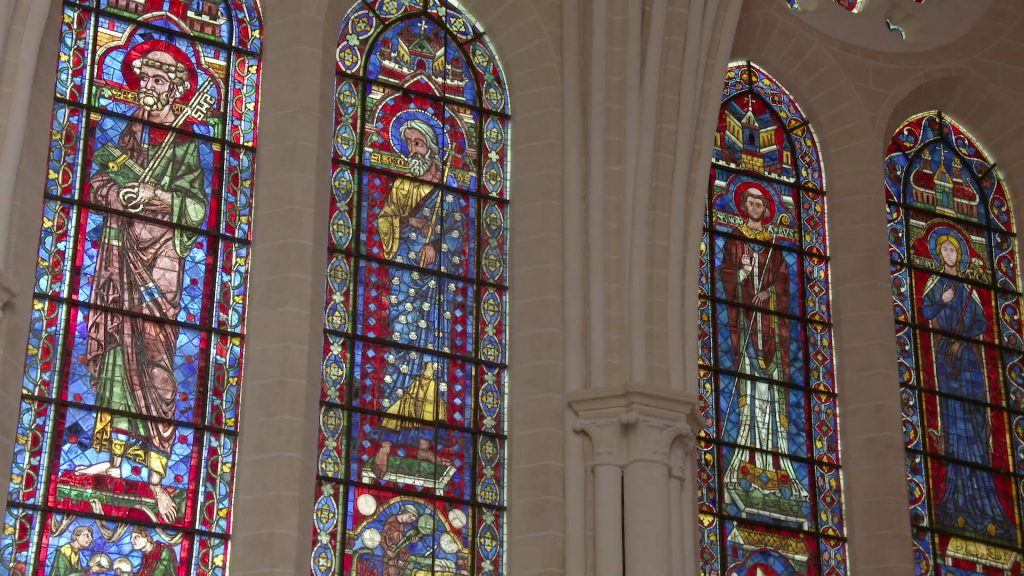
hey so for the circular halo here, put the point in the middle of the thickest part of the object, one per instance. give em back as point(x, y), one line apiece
point(399, 120)
point(457, 518)
point(944, 229)
point(366, 504)
point(154, 45)
point(370, 538)
point(769, 200)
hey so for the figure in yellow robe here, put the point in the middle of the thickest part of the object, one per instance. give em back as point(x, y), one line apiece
point(421, 226)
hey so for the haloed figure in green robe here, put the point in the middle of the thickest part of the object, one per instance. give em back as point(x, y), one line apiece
point(139, 270)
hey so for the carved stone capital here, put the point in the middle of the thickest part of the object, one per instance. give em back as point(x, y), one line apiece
point(635, 424)
point(681, 461)
point(603, 425)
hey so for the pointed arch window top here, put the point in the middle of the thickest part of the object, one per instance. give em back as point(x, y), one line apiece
point(936, 139)
point(104, 41)
point(957, 301)
point(429, 46)
point(125, 450)
point(411, 469)
point(753, 98)
point(769, 482)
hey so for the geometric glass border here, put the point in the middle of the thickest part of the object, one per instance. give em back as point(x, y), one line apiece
point(125, 448)
point(412, 441)
point(769, 482)
point(956, 300)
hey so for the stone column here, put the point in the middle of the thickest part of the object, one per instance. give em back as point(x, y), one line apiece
point(642, 83)
point(684, 560)
point(604, 428)
point(636, 503)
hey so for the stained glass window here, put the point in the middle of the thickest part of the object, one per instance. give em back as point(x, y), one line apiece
point(956, 298)
point(769, 482)
point(851, 5)
point(124, 457)
point(411, 467)
point(895, 29)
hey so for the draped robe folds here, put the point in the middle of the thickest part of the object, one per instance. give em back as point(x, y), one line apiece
point(67, 562)
point(160, 561)
point(970, 503)
point(396, 544)
point(760, 348)
point(139, 270)
point(421, 305)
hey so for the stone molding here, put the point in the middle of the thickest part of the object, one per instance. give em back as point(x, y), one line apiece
point(631, 424)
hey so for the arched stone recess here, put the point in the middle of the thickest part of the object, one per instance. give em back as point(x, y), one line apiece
point(411, 472)
point(865, 355)
point(790, 167)
point(857, 97)
point(275, 509)
point(968, 247)
point(33, 32)
point(975, 101)
point(979, 108)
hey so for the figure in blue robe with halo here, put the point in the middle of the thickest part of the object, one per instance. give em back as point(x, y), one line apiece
point(421, 225)
point(969, 504)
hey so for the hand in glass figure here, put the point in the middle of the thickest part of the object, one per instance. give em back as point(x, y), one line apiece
point(419, 226)
point(140, 270)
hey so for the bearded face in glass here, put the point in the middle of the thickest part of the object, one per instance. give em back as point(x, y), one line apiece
point(162, 80)
point(421, 142)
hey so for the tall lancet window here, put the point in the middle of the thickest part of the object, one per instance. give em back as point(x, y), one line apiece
point(411, 467)
point(125, 452)
point(956, 296)
point(770, 488)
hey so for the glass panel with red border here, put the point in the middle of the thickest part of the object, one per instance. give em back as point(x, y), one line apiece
point(125, 448)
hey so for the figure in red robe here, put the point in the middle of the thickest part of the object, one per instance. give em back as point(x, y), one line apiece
point(754, 275)
point(158, 559)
